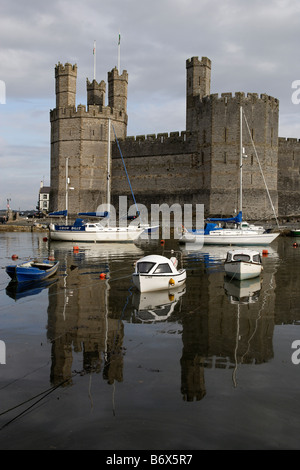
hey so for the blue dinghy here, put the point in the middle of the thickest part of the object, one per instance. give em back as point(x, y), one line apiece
point(32, 270)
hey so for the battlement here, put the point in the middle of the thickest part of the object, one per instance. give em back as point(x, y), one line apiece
point(65, 69)
point(240, 96)
point(161, 137)
point(114, 74)
point(95, 85)
point(288, 140)
point(194, 61)
point(93, 111)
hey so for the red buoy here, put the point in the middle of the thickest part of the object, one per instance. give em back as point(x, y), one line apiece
point(265, 252)
point(14, 257)
point(295, 245)
point(45, 239)
point(102, 276)
point(162, 242)
point(75, 249)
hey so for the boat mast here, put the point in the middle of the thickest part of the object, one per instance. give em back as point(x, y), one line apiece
point(67, 186)
point(108, 172)
point(241, 159)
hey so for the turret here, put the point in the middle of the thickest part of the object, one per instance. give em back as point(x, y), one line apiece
point(65, 85)
point(197, 86)
point(95, 92)
point(117, 90)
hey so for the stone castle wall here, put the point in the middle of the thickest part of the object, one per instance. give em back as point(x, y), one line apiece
point(196, 166)
point(289, 177)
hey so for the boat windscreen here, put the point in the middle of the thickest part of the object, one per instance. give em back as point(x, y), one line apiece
point(241, 257)
point(163, 268)
point(144, 266)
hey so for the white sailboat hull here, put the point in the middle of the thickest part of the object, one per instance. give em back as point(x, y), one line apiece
point(96, 235)
point(228, 237)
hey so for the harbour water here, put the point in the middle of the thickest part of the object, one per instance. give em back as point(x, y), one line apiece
point(88, 363)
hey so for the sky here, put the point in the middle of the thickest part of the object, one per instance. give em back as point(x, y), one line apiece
point(253, 46)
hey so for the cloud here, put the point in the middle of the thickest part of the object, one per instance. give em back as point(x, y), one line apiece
point(253, 47)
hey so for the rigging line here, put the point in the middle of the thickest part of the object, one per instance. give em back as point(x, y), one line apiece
point(31, 406)
point(23, 376)
point(234, 373)
point(125, 169)
point(261, 169)
point(73, 289)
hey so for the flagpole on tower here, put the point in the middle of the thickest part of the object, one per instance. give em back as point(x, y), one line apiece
point(119, 46)
point(94, 53)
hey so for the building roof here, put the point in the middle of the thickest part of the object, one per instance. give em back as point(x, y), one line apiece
point(45, 189)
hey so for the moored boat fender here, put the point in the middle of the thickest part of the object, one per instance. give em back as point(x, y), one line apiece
point(171, 282)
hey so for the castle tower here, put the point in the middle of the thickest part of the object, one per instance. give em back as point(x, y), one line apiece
point(198, 74)
point(65, 79)
point(117, 89)
point(219, 143)
point(95, 93)
point(79, 137)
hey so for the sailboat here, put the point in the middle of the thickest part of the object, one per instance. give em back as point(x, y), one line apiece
point(85, 231)
point(243, 233)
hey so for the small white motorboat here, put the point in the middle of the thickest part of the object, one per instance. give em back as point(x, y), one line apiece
point(156, 272)
point(243, 264)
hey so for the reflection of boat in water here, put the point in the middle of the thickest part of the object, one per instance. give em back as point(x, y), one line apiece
point(242, 292)
point(95, 250)
point(17, 290)
point(156, 306)
point(243, 264)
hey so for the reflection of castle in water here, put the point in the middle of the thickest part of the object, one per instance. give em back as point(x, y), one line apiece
point(87, 315)
point(79, 321)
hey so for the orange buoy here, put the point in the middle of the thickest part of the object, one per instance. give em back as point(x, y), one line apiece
point(14, 257)
point(295, 244)
point(171, 282)
point(51, 258)
point(75, 248)
point(265, 252)
point(162, 242)
point(102, 276)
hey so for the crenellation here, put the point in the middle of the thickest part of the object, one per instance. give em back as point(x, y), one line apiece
point(197, 165)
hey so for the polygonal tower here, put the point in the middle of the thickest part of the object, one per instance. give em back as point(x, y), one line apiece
point(79, 138)
point(198, 73)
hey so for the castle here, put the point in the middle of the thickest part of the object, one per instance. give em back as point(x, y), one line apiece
point(197, 166)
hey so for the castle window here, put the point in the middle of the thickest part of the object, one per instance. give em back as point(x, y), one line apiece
point(204, 136)
point(252, 134)
point(225, 157)
point(271, 135)
point(202, 158)
point(252, 159)
point(225, 134)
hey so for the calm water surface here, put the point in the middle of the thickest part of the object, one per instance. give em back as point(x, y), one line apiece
point(91, 364)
